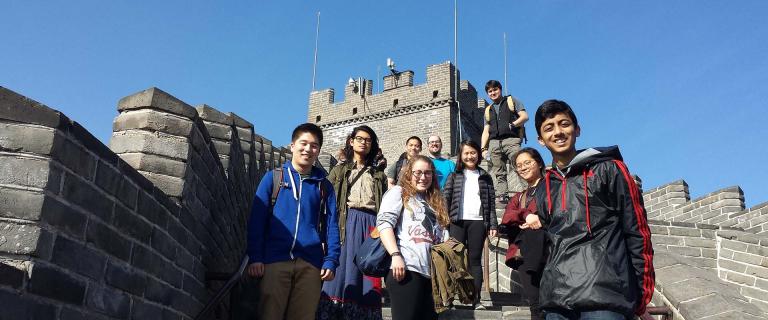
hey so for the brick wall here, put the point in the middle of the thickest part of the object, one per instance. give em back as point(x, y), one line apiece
point(129, 231)
point(401, 110)
point(743, 259)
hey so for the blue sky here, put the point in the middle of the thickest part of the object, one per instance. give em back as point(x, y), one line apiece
point(681, 86)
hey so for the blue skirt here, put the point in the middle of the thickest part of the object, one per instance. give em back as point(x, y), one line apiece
point(352, 295)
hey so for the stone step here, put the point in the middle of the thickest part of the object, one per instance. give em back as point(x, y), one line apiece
point(504, 313)
point(499, 305)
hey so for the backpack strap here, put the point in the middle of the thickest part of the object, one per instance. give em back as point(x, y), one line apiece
point(511, 103)
point(277, 183)
point(321, 216)
point(521, 130)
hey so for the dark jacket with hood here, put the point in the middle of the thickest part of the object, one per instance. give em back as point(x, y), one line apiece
point(454, 197)
point(601, 256)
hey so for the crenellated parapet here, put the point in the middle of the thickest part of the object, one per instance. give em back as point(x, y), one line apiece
point(129, 230)
point(401, 110)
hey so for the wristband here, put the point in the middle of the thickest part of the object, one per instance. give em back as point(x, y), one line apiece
point(396, 254)
point(483, 149)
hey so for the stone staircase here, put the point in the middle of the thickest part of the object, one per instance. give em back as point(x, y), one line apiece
point(499, 305)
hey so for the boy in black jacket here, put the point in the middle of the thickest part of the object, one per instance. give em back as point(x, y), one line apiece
point(601, 261)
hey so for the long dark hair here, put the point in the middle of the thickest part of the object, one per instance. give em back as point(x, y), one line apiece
point(370, 158)
point(473, 145)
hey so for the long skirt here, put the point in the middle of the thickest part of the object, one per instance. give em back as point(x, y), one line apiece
point(352, 295)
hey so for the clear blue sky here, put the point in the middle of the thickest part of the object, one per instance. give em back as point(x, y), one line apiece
point(681, 86)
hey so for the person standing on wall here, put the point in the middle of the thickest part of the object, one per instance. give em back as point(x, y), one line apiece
point(412, 149)
point(293, 233)
point(359, 187)
point(601, 261)
point(443, 165)
point(469, 198)
point(502, 135)
point(527, 241)
point(411, 219)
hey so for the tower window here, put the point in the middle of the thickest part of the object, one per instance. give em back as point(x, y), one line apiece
point(394, 103)
point(434, 94)
point(317, 119)
point(354, 111)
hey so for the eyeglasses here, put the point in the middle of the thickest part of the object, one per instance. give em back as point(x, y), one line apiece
point(524, 165)
point(360, 139)
point(433, 142)
point(419, 173)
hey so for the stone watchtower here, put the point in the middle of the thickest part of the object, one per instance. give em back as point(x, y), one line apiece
point(401, 110)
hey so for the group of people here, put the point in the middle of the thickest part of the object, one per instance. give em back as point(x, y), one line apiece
point(577, 228)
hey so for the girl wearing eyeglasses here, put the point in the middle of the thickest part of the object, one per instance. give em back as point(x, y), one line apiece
point(359, 185)
point(411, 219)
point(469, 195)
point(526, 252)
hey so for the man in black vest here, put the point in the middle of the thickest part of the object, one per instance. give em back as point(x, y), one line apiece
point(504, 119)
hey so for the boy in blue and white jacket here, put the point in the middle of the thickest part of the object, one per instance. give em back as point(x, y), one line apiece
point(285, 247)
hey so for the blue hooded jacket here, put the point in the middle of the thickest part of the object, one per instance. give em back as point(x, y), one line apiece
point(291, 231)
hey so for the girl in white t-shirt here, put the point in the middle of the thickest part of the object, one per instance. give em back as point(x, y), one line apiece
point(411, 218)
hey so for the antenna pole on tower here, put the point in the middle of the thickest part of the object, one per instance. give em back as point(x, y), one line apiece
point(456, 67)
point(314, 65)
point(505, 63)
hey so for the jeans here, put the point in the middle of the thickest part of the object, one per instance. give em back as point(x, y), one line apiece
point(583, 315)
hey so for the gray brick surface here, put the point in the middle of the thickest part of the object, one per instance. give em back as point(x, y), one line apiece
point(22, 239)
point(110, 302)
point(54, 283)
point(20, 204)
point(76, 257)
point(11, 276)
point(17, 307)
point(85, 195)
point(107, 239)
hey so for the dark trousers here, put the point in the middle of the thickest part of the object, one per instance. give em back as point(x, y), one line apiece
point(472, 234)
point(411, 298)
point(532, 248)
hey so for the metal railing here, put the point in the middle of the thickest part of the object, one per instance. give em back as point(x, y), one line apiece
point(222, 292)
point(664, 312)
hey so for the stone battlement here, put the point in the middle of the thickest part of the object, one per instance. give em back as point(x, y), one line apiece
point(129, 230)
point(401, 110)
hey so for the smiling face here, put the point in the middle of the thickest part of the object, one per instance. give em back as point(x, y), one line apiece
point(559, 134)
point(494, 93)
point(435, 145)
point(469, 157)
point(413, 147)
point(305, 150)
point(421, 175)
point(527, 168)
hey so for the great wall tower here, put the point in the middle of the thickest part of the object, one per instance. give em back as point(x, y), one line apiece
point(140, 228)
point(401, 110)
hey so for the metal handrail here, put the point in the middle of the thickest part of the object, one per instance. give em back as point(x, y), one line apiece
point(663, 311)
point(216, 299)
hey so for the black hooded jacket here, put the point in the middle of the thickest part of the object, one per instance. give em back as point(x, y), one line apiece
point(601, 256)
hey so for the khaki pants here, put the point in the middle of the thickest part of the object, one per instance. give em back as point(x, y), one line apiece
point(289, 290)
point(505, 180)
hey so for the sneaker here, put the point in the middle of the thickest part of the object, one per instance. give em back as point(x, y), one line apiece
point(479, 306)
